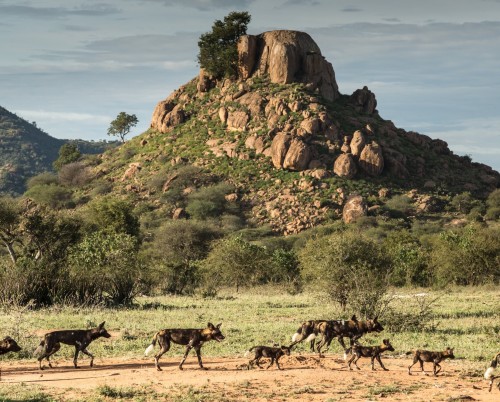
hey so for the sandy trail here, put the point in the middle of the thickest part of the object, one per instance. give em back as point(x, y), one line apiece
point(305, 377)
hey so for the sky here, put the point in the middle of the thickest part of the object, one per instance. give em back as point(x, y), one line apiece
point(434, 65)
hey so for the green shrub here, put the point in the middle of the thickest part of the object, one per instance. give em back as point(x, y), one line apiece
point(218, 54)
point(208, 202)
point(42, 179)
point(51, 195)
point(74, 174)
point(351, 269)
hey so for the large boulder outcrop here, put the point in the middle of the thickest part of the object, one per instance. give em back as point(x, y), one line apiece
point(279, 148)
point(345, 166)
point(354, 208)
point(364, 101)
point(287, 56)
point(371, 159)
point(298, 156)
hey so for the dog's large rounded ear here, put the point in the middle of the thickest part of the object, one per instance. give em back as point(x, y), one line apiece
point(354, 318)
point(218, 325)
point(210, 325)
point(375, 319)
point(101, 325)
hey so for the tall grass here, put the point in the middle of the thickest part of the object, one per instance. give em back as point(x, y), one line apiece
point(464, 318)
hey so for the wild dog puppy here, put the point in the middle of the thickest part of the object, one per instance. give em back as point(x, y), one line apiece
point(192, 338)
point(79, 338)
point(8, 345)
point(427, 356)
point(373, 352)
point(274, 353)
point(353, 329)
point(488, 375)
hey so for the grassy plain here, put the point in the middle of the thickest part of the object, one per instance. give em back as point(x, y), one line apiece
point(467, 319)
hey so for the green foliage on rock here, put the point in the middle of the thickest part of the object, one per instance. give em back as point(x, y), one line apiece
point(218, 53)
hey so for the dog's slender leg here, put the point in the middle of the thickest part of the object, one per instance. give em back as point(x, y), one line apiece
point(257, 361)
point(165, 346)
point(380, 362)
point(77, 350)
point(356, 361)
point(198, 354)
point(85, 351)
point(373, 363)
point(415, 360)
point(272, 362)
point(351, 360)
point(436, 364)
point(188, 348)
point(50, 352)
point(278, 363)
point(422, 366)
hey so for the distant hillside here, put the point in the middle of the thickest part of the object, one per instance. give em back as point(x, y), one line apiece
point(26, 151)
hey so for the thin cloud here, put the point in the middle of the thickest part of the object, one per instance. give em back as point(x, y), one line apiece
point(351, 9)
point(62, 116)
point(57, 12)
point(206, 5)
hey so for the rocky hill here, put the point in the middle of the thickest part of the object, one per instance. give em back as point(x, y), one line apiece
point(294, 148)
point(26, 150)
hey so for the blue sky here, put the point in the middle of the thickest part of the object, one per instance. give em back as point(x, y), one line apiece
point(434, 65)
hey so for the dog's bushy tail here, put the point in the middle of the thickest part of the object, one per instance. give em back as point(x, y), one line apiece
point(347, 352)
point(489, 373)
point(247, 353)
point(150, 348)
point(297, 336)
point(39, 349)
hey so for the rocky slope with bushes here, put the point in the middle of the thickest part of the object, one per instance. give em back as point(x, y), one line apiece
point(295, 150)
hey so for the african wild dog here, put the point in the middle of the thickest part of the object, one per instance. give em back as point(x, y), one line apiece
point(308, 331)
point(329, 329)
point(373, 352)
point(353, 329)
point(422, 356)
point(274, 353)
point(192, 338)
point(8, 345)
point(79, 338)
point(488, 375)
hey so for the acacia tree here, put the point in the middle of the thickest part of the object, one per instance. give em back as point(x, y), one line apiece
point(218, 53)
point(122, 125)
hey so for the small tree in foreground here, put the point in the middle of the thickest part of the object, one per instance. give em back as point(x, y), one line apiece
point(122, 125)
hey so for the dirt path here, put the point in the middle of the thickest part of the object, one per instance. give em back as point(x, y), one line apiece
point(304, 378)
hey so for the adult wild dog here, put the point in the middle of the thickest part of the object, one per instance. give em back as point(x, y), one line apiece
point(329, 329)
point(274, 353)
point(422, 356)
point(79, 338)
point(488, 375)
point(308, 331)
point(8, 345)
point(192, 338)
point(373, 352)
point(352, 329)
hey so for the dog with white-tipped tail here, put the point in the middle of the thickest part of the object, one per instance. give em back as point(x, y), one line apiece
point(489, 374)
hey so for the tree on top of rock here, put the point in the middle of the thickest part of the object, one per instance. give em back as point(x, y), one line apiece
point(218, 52)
